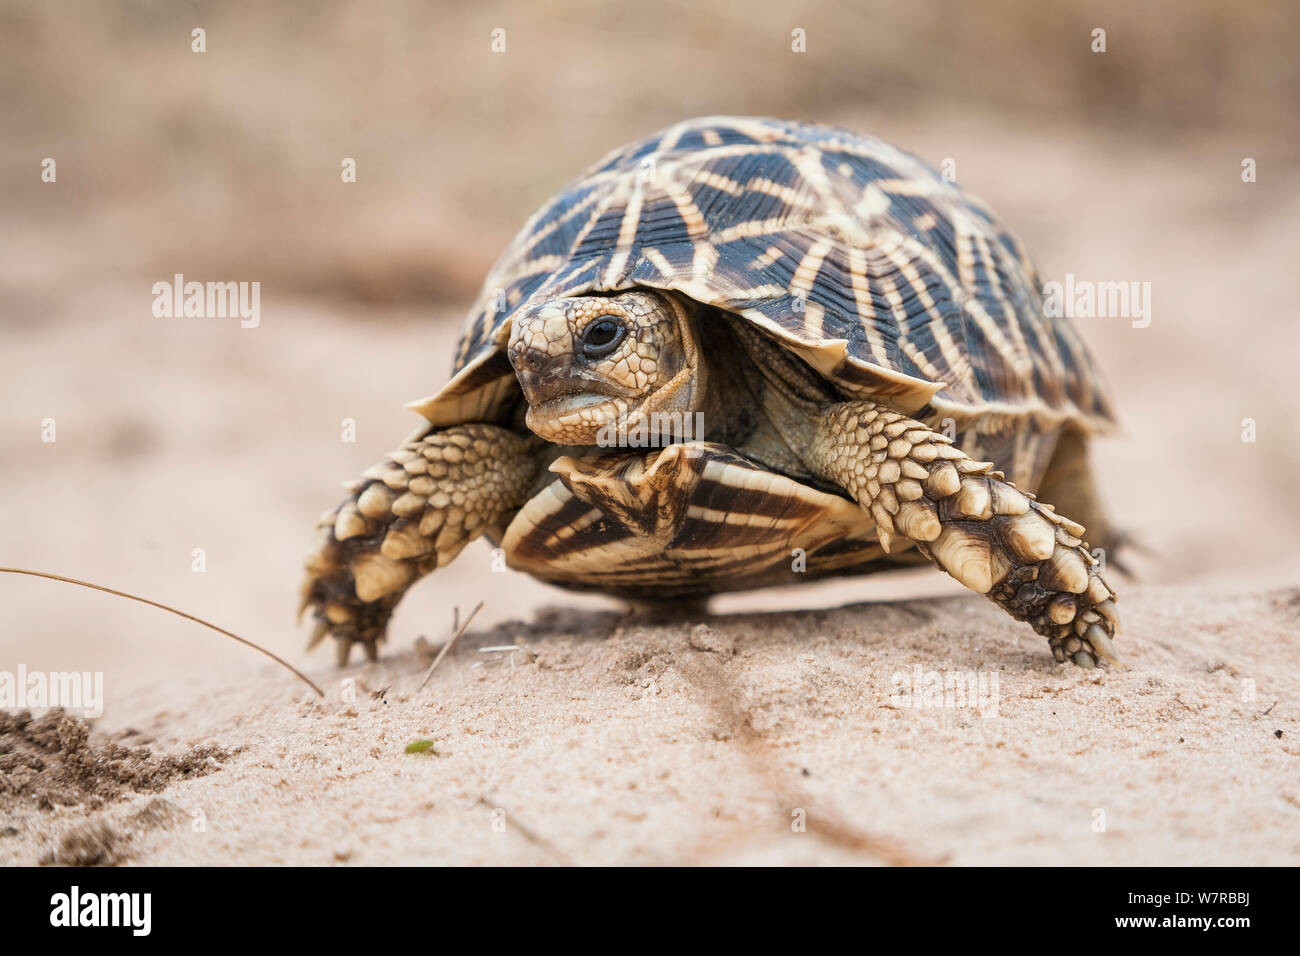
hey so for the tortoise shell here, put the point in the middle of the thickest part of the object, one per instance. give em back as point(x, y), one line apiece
point(887, 279)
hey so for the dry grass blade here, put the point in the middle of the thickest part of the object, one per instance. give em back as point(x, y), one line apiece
point(454, 638)
point(197, 620)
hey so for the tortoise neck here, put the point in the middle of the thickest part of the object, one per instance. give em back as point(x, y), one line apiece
point(762, 399)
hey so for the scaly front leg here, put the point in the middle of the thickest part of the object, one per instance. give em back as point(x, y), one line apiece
point(410, 514)
point(968, 520)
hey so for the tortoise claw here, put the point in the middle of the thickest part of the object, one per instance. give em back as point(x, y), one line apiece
point(318, 634)
point(1101, 645)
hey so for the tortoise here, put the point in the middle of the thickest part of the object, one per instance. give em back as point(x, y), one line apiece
point(745, 352)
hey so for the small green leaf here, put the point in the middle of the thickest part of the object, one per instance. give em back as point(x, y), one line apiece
point(419, 746)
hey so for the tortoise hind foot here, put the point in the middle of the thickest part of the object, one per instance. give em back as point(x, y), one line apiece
point(406, 516)
point(974, 524)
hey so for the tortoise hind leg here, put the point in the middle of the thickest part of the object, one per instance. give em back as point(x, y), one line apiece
point(410, 514)
point(971, 522)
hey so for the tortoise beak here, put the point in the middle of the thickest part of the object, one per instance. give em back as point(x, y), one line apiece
point(544, 378)
point(547, 379)
point(542, 391)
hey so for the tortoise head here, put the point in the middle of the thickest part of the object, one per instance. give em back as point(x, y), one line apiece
point(600, 366)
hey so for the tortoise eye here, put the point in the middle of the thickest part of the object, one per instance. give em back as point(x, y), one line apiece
point(601, 337)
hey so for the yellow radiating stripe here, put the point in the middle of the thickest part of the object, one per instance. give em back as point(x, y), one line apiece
point(705, 258)
point(719, 182)
point(778, 191)
point(626, 234)
point(954, 358)
point(750, 229)
point(768, 257)
point(802, 281)
point(534, 238)
point(858, 279)
point(873, 203)
point(889, 286)
point(659, 261)
point(1017, 354)
point(974, 308)
point(927, 186)
point(686, 208)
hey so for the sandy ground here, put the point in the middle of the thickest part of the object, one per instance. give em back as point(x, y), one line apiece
point(775, 738)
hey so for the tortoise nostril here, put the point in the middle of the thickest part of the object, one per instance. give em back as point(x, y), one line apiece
point(529, 360)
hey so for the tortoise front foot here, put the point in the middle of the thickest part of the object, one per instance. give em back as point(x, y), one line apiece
point(406, 516)
point(966, 518)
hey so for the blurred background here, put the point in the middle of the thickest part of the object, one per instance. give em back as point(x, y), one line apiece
point(183, 434)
